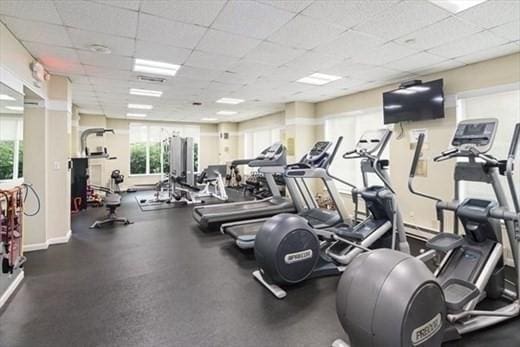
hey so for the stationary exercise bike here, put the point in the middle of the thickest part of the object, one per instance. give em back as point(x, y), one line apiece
point(387, 298)
point(289, 250)
point(112, 201)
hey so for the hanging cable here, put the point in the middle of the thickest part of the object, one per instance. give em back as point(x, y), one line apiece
point(28, 187)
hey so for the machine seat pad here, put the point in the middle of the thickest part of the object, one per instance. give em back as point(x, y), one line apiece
point(458, 293)
point(445, 242)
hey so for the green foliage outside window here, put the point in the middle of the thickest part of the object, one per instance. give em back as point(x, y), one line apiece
point(155, 158)
point(6, 159)
point(20, 159)
point(138, 158)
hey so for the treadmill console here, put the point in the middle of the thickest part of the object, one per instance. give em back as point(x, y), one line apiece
point(274, 155)
point(372, 140)
point(318, 152)
point(475, 133)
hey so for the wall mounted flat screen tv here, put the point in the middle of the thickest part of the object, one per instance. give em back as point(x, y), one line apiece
point(413, 103)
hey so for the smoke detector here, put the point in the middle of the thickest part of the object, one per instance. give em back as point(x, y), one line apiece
point(99, 49)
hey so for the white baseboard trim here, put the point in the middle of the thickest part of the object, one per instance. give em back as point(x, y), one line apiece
point(58, 240)
point(46, 244)
point(12, 287)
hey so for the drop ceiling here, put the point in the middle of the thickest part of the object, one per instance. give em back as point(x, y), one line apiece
point(251, 50)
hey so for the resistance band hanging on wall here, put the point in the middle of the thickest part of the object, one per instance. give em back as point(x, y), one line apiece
point(11, 225)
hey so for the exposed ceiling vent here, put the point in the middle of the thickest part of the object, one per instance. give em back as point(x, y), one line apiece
point(151, 79)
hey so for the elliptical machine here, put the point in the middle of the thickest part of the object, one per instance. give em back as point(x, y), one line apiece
point(289, 250)
point(112, 201)
point(400, 302)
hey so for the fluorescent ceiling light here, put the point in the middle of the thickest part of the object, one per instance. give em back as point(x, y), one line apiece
point(404, 91)
point(146, 92)
point(155, 67)
point(230, 101)
point(14, 108)
point(140, 106)
point(6, 97)
point(318, 79)
point(456, 6)
point(226, 113)
point(137, 115)
point(209, 119)
point(393, 107)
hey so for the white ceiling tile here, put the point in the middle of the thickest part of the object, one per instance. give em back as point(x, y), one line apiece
point(128, 4)
point(403, 18)
point(287, 73)
point(110, 73)
point(492, 13)
point(509, 30)
point(179, 83)
point(90, 15)
point(83, 87)
point(168, 32)
point(489, 53)
point(273, 54)
point(226, 43)
point(82, 39)
point(30, 30)
point(232, 77)
point(251, 19)
point(250, 68)
point(202, 12)
point(106, 60)
point(384, 54)
point(415, 62)
point(446, 30)
point(469, 44)
point(52, 55)
point(347, 68)
point(349, 44)
point(223, 87)
point(288, 5)
point(377, 74)
point(347, 12)
point(197, 73)
point(61, 68)
point(160, 52)
point(209, 60)
point(447, 65)
point(79, 79)
point(31, 9)
point(314, 61)
point(305, 32)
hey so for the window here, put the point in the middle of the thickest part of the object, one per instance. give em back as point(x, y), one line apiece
point(256, 141)
point(147, 152)
point(505, 106)
point(351, 127)
point(11, 148)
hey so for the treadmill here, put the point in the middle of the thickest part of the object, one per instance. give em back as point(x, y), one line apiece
point(271, 161)
point(314, 164)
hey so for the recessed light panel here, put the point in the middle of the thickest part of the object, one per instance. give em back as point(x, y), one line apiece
point(146, 92)
point(209, 119)
point(230, 101)
point(318, 79)
point(155, 67)
point(6, 97)
point(136, 115)
point(226, 113)
point(140, 106)
point(456, 6)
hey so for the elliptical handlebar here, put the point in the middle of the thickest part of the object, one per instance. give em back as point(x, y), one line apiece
point(509, 167)
point(385, 140)
point(331, 159)
point(415, 162)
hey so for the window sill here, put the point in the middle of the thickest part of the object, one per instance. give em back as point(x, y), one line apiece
point(6, 184)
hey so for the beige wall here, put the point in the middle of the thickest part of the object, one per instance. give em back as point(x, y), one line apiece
point(228, 148)
point(119, 146)
point(416, 210)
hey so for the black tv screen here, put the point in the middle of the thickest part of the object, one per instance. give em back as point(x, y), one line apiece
point(418, 102)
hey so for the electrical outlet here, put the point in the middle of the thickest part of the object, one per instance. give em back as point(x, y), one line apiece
point(57, 165)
